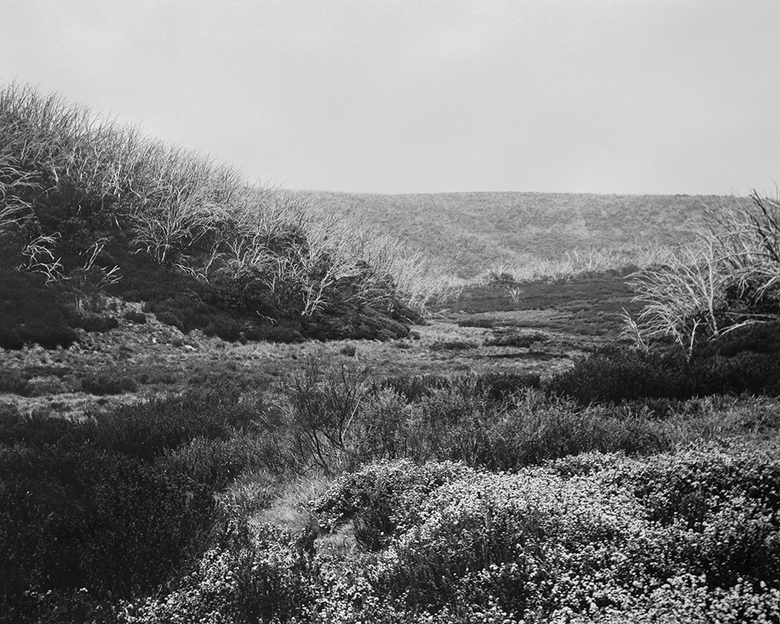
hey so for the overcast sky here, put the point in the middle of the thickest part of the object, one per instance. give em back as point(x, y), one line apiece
point(410, 96)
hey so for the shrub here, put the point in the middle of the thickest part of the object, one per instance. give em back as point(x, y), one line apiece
point(485, 323)
point(79, 518)
point(348, 350)
point(623, 374)
point(282, 334)
point(31, 313)
point(321, 403)
point(619, 375)
point(108, 383)
point(384, 497)
point(94, 322)
point(523, 340)
point(119, 504)
point(13, 382)
point(453, 345)
point(148, 430)
point(259, 580)
point(135, 317)
point(576, 541)
point(722, 507)
point(413, 387)
point(225, 327)
point(512, 539)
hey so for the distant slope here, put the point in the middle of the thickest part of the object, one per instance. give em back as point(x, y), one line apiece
point(470, 231)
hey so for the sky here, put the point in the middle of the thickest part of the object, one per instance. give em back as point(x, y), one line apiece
point(423, 96)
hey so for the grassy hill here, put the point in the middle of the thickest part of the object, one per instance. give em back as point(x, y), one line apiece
point(470, 232)
point(89, 208)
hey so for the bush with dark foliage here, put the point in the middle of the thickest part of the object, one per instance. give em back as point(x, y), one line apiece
point(618, 374)
point(31, 313)
point(98, 510)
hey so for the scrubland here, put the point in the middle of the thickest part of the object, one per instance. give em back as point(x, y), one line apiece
point(594, 439)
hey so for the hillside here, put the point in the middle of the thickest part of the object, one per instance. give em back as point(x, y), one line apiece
point(469, 232)
point(90, 208)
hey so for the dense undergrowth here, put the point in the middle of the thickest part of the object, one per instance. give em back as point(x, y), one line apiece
point(89, 208)
point(467, 498)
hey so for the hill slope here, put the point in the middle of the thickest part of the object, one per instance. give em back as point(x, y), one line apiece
point(468, 232)
point(89, 208)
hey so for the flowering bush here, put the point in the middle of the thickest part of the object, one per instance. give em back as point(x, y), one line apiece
point(686, 537)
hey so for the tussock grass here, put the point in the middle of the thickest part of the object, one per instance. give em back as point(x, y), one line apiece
point(728, 279)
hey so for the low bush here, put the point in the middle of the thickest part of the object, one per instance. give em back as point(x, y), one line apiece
point(413, 387)
point(384, 497)
point(521, 340)
point(135, 317)
point(622, 374)
point(31, 313)
point(93, 322)
point(108, 383)
point(484, 323)
point(13, 382)
point(453, 345)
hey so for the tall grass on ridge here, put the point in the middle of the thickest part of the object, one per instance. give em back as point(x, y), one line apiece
point(74, 186)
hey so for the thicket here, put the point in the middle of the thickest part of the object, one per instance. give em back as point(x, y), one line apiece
point(92, 207)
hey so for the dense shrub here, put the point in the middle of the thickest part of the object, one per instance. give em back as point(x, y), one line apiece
point(623, 374)
point(225, 327)
point(262, 578)
point(31, 313)
point(332, 417)
point(96, 510)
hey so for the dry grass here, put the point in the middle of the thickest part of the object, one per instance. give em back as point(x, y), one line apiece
point(728, 278)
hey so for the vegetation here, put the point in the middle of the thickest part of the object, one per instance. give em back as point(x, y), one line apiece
point(728, 280)
point(93, 208)
point(462, 498)
point(638, 482)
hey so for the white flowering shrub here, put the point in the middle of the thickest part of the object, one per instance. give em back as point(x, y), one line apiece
point(685, 537)
point(264, 579)
point(690, 537)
